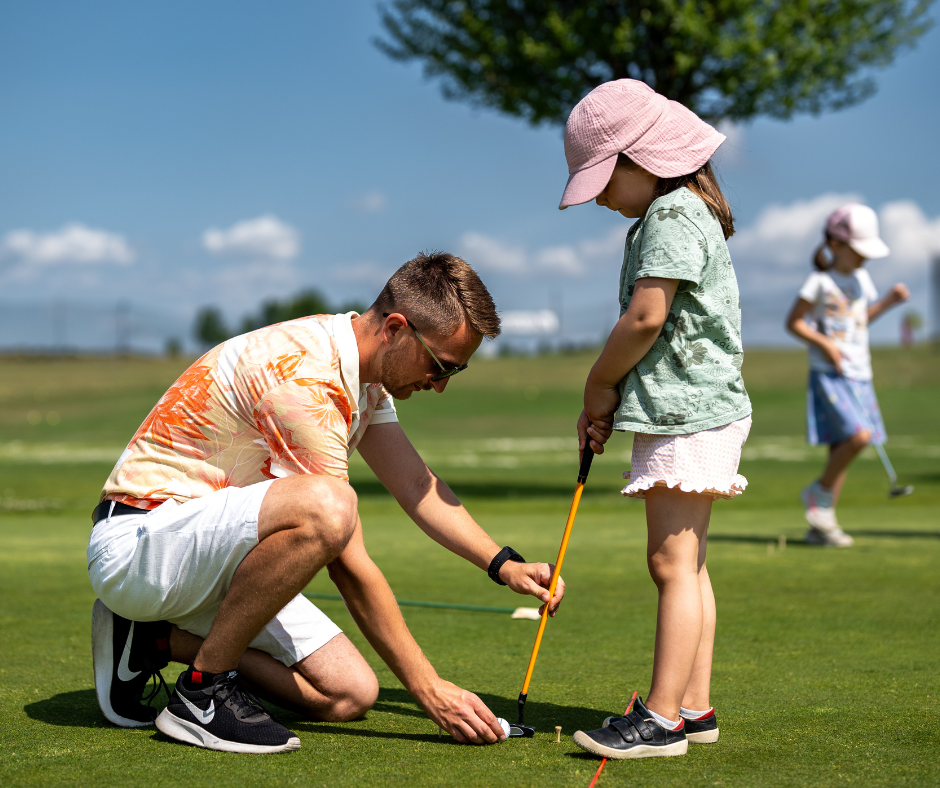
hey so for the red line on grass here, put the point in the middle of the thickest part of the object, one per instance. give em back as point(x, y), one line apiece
point(600, 768)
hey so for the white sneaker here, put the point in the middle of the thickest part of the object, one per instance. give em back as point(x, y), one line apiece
point(817, 502)
point(828, 537)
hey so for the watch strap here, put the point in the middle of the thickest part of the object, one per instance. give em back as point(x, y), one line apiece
point(504, 555)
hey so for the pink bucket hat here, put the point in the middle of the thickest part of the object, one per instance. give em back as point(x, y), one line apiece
point(628, 116)
point(857, 225)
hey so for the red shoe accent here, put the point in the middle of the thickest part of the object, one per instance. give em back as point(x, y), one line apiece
point(197, 677)
point(707, 715)
point(681, 725)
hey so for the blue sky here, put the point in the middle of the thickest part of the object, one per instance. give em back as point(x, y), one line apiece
point(169, 155)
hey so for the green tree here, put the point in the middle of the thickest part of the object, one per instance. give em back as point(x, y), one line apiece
point(732, 59)
point(307, 302)
point(210, 328)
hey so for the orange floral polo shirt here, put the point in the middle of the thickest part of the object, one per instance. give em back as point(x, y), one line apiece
point(279, 401)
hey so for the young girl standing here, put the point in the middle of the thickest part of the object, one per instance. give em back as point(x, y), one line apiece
point(671, 373)
point(831, 314)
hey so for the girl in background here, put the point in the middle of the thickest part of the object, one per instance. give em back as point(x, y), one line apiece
point(831, 314)
point(671, 373)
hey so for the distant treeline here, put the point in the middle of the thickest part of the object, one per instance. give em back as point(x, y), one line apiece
point(211, 329)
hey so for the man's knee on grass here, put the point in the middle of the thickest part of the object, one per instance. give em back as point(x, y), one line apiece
point(353, 700)
point(344, 680)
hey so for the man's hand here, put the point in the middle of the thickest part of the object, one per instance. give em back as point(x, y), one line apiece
point(534, 580)
point(461, 713)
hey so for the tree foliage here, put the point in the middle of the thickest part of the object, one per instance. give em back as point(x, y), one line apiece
point(210, 328)
point(731, 59)
point(308, 302)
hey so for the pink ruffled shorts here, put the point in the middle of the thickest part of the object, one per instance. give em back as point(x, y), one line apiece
point(703, 462)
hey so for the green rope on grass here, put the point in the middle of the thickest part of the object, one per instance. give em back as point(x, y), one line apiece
point(410, 603)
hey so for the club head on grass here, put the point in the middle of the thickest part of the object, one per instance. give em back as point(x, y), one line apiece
point(518, 731)
point(898, 492)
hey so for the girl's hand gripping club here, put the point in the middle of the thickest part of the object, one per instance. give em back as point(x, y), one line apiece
point(520, 729)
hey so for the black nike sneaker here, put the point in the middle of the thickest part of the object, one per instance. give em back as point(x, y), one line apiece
point(702, 730)
point(638, 735)
point(219, 715)
point(126, 656)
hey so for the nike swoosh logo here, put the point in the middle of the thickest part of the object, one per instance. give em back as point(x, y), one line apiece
point(203, 716)
point(124, 669)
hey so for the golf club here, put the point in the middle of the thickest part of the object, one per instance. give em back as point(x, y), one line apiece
point(520, 729)
point(895, 491)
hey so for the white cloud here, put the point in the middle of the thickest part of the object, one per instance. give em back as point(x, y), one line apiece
point(568, 260)
point(559, 259)
point(73, 243)
point(733, 131)
point(772, 256)
point(491, 254)
point(911, 236)
point(371, 202)
point(609, 245)
point(364, 273)
point(531, 322)
point(238, 287)
point(264, 237)
point(732, 150)
point(786, 235)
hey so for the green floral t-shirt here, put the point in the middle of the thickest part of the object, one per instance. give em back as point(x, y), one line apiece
point(691, 378)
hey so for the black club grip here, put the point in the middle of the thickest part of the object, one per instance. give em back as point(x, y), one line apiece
point(586, 458)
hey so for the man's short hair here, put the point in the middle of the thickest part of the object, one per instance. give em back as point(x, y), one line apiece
point(438, 292)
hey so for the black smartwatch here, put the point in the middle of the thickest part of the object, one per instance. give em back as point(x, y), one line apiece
point(504, 555)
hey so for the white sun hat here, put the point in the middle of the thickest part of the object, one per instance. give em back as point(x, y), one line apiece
point(857, 225)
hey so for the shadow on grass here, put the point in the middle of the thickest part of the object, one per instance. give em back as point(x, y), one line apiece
point(79, 709)
point(76, 709)
point(798, 542)
point(898, 534)
point(499, 490)
point(395, 700)
point(752, 539)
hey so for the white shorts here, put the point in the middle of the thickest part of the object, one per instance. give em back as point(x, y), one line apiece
point(703, 462)
point(175, 563)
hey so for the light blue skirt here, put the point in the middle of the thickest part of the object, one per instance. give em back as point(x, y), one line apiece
point(837, 408)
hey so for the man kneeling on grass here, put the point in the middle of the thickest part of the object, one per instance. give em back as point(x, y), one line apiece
point(234, 493)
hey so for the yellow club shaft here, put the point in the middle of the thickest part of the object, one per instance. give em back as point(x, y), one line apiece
point(554, 582)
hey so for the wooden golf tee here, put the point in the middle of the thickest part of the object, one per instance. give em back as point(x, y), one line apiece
point(600, 768)
point(586, 458)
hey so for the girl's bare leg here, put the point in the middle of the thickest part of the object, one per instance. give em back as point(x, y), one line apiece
point(677, 523)
point(841, 456)
point(697, 693)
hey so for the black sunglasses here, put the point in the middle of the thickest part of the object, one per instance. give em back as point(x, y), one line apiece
point(445, 372)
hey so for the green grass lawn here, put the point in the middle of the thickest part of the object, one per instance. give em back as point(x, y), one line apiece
point(826, 664)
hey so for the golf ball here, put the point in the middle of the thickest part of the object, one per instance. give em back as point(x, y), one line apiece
point(504, 725)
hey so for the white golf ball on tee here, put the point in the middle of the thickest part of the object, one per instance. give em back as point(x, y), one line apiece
point(504, 725)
